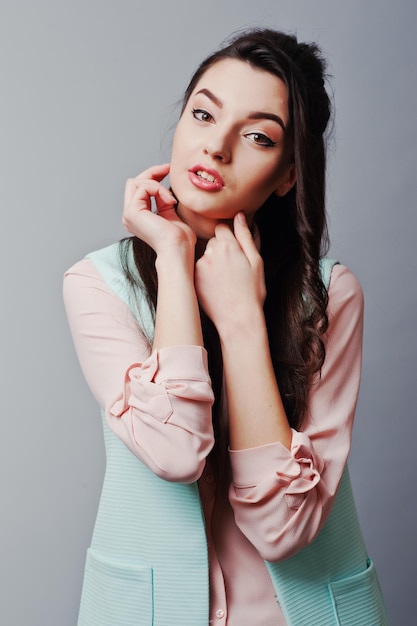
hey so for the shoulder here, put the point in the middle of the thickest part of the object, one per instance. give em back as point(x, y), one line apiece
point(344, 287)
point(345, 307)
point(90, 264)
point(84, 286)
point(99, 272)
point(106, 266)
point(101, 277)
point(84, 268)
point(90, 297)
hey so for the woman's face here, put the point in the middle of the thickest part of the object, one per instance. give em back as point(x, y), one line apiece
point(230, 148)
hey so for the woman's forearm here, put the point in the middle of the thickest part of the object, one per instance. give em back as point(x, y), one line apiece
point(256, 411)
point(177, 314)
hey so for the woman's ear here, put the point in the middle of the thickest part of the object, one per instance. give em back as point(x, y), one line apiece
point(287, 181)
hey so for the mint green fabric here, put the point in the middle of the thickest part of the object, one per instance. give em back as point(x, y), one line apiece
point(332, 581)
point(148, 564)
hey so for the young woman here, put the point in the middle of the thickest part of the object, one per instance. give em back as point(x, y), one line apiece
point(226, 371)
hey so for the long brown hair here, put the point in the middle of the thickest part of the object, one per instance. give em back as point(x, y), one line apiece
point(293, 230)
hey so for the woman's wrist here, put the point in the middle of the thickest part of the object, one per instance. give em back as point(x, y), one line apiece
point(236, 326)
point(177, 315)
point(175, 258)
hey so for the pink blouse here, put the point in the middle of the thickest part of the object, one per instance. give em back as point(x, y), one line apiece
point(279, 499)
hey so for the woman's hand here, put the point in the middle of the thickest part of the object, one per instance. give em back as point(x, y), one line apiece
point(229, 277)
point(161, 230)
point(177, 320)
point(230, 286)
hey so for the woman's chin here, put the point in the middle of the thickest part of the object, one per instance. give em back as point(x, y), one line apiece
point(202, 225)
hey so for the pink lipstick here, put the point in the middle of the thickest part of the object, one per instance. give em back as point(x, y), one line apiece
point(205, 178)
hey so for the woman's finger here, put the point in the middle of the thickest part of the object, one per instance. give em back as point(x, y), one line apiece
point(155, 172)
point(245, 239)
point(164, 199)
point(223, 231)
point(143, 189)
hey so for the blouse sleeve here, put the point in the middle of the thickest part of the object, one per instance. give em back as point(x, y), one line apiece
point(158, 404)
point(281, 498)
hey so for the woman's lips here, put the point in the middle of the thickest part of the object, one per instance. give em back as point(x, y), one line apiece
point(205, 178)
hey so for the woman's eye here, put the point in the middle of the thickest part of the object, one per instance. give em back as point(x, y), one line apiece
point(260, 139)
point(201, 115)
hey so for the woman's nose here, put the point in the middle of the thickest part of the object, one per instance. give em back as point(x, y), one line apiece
point(218, 147)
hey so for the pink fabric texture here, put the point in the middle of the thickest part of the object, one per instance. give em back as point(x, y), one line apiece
point(159, 405)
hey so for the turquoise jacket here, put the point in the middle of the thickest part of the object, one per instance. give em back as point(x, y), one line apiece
point(148, 563)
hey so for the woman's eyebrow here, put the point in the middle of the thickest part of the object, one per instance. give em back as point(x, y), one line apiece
point(253, 115)
point(211, 96)
point(264, 115)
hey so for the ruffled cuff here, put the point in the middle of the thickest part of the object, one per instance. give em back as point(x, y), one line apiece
point(298, 469)
point(180, 363)
point(179, 371)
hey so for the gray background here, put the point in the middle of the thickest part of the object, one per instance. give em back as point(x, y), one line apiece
point(87, 99)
